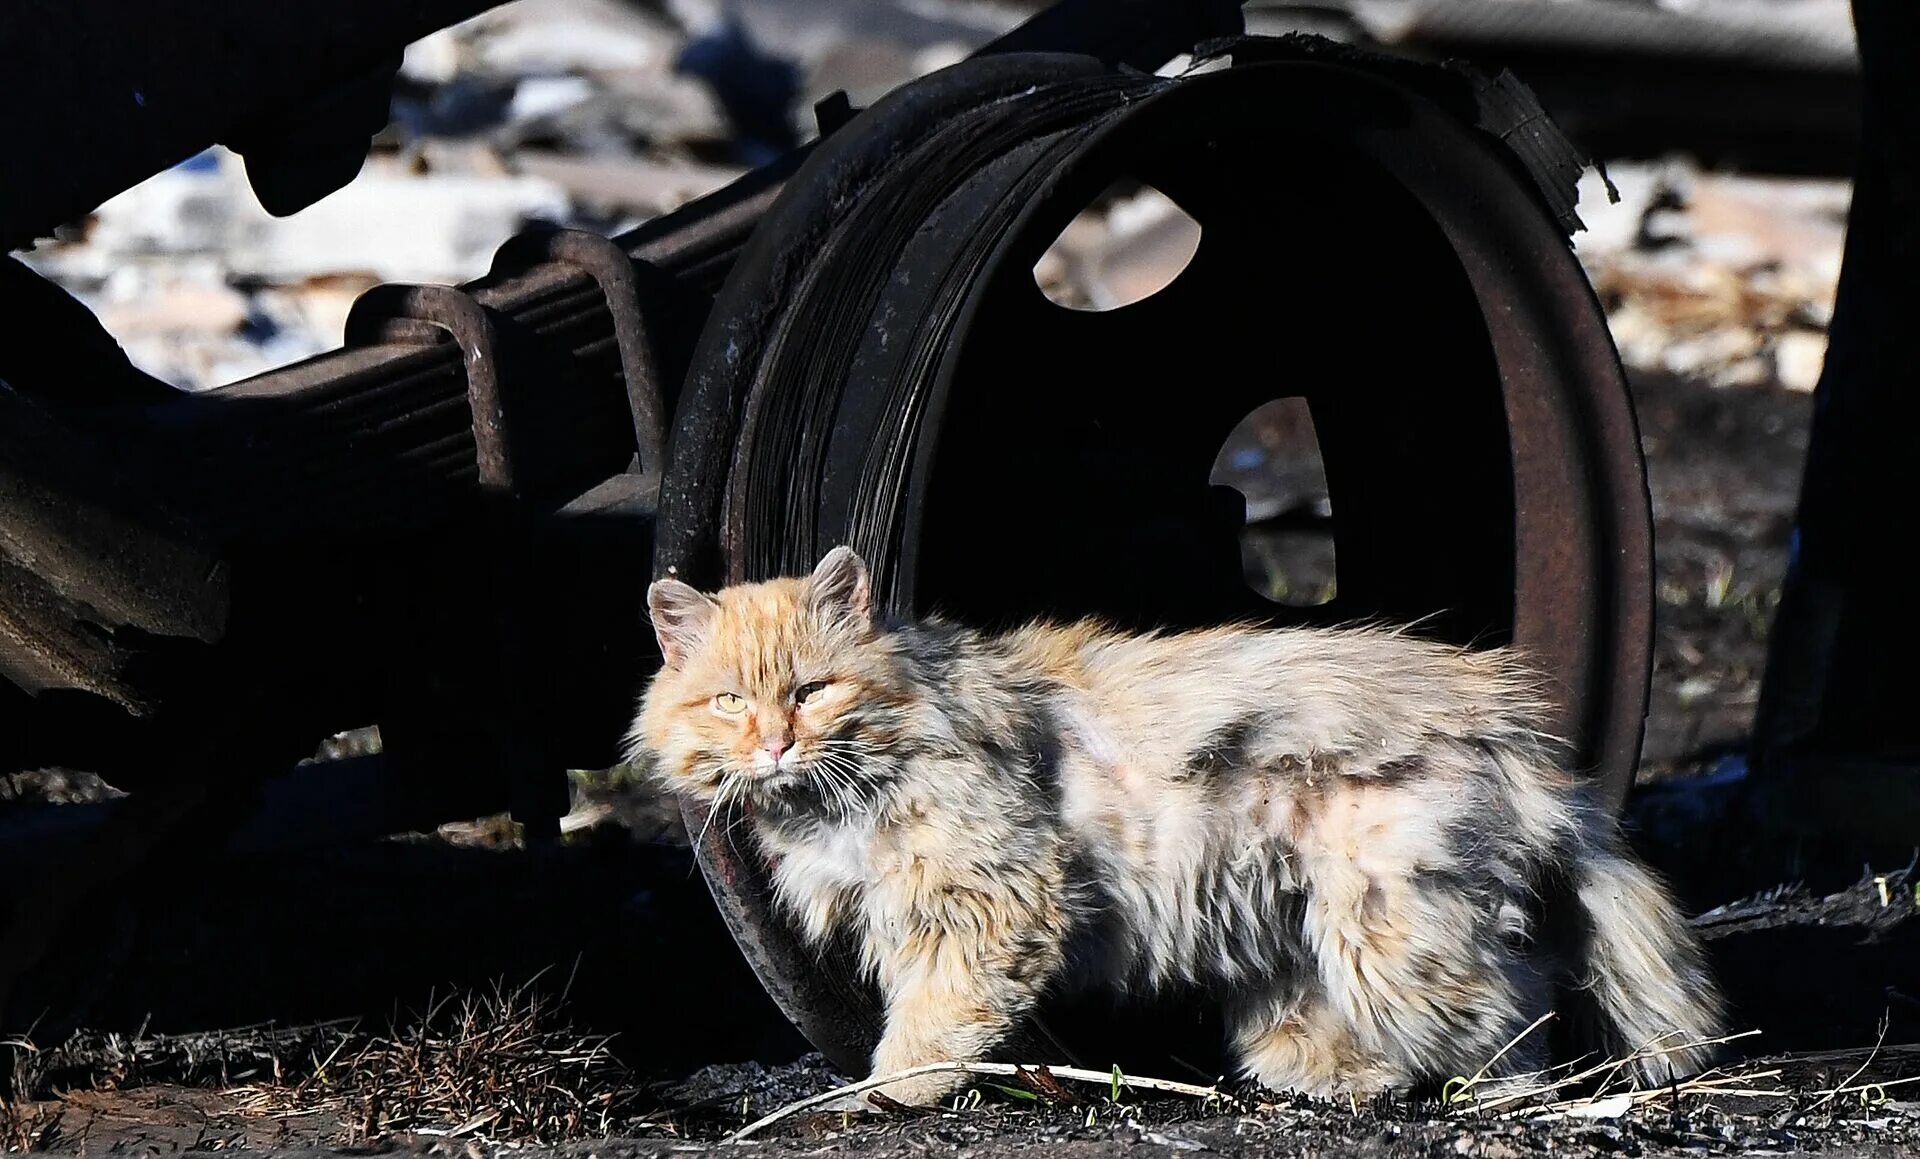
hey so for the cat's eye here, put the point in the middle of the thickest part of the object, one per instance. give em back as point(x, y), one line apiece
point(730, 703)
point(808, 691)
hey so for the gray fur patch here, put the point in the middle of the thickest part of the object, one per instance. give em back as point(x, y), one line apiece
point(1227, 749)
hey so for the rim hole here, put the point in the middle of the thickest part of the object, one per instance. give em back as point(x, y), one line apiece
point(1272, 458)
point(1129, 245)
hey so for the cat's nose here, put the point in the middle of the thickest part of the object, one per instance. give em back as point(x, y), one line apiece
point(775, 748)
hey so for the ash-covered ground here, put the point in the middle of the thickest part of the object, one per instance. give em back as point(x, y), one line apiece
point(449, 992)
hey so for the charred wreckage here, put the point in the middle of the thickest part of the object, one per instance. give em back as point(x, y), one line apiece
point(445, 528)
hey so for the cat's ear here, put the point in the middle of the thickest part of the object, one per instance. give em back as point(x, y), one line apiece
point(681, 617)
point(840, 588)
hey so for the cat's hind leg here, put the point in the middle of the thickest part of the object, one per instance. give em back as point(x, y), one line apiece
point(1417, 946)
point(1295, 1041)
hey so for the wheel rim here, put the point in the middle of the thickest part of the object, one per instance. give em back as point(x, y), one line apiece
point(908, 390)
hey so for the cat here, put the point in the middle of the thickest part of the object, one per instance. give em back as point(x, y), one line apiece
point(1349, 836)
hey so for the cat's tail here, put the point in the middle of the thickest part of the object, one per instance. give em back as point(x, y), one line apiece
point(1638, 964)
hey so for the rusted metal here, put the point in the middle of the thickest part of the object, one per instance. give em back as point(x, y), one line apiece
point(300, 478)
point(110, 604)
point(831, 1009)
point(390, 313)
point(295, 476)
point(619, 280)
point(881, 370)
point(709, 415)
point(398, 313)
point(371, 450)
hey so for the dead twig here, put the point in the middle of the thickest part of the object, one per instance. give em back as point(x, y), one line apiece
point(895, 1107)
point(1572, 1078)
point(1878, 1042)
point(1041, 1079)
point(993, 1069)
point(1465, 1089)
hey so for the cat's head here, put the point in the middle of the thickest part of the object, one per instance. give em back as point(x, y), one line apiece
point(774, 690)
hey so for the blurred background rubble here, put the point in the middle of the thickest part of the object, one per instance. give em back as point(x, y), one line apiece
point(603, 113)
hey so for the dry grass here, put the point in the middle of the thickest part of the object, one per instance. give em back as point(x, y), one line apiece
point(1761, 1091)
point(93, 1060)
point(28, 1127)
point(1042, 1080)
point(1589, 1087)
point(500, 1065)
point(504, 1067)
point(1588, 1090)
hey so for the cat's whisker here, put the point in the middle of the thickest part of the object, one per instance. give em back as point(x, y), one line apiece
point(854, 794)
point(838, 760)
point(837, 782)
point(715, 806)
point(859, 750)
point(851, 749)
point(851, 771)
point(734, 817)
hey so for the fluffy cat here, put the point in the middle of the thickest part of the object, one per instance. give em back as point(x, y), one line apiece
point(1345, 835)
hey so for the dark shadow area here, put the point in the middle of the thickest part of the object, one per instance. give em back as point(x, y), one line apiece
point(625, 930)
point(1814, 940)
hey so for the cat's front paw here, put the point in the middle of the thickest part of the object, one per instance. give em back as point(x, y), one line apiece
point(925, 1090)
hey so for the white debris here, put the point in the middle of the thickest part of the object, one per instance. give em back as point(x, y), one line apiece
point(434, 58)
point(534, 37)
point(630, 185)
point(183, 307)
point(1798, 356)
point(1723, 278)
point(1608, 1108)
point(1614, 226)
point(1127, 251)
point(939, 55)
point(386, 222)
point(407, 229)
point(544, 96)
point(1173, 1142)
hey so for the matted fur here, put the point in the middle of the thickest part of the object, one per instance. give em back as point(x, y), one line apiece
point(1347, 835)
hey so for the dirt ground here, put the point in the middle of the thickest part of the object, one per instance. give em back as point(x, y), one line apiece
point(1724, 469)
point(385, 939)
